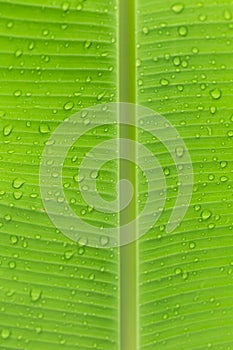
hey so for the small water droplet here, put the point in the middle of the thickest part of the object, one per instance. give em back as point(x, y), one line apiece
point(69, 254)
point(17, 93)
point(94, 174)
point(65, 6)
point(44, 128)
point(17, 194)
point(17, 183)
point(164, 82)
point(227, 15)
point(12, 264)
point(68, 106)
point(223, 164)
point(101, 95)
point(18, 53)
point(177, 8)
point(7, 130)
point(14, 239)
point(224, 178)
point(8, 217)
point(145, 30)
point(192, 245)
point(87, 44)
point(5, 333)
point(176, 61)
point(35, 294)
point(182, 31)
point(179, 151)
point(92, 276)
point(216, 94)
point(104, 240)
point(206, 214)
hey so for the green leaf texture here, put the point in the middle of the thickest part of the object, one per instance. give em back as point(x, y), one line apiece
point(58, 58)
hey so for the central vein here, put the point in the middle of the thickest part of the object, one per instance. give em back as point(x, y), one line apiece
point(128, 253)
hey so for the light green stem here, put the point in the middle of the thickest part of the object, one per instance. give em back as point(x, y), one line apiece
point(128, 253)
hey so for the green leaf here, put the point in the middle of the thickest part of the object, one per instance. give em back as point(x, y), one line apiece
point(164, 290)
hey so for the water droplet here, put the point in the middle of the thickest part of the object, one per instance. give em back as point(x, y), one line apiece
point(166, 171)
point(5, 333)
point(44, 128)
point(192, 245)
point(206, 214)
point(177, 8)
point(216, 94)
point(65, 6)
point(14, 239)
point(8, 217)
point(92, 276)
point(35, 294)
point(68, 106)
point(176, 61)
point(12, 264)
point(94, 174)
point(10, 24)
point(7, 130)
point(101, 95)
point(69, 254)
point(230, 133)
point(17, 194)
point(224, 178)
point(45, 32)
point(104, 240)
point(223, 164)
point(183, 31)
point(178, 271)
point(145, 30)
point(18, 53)
point(87, 44)
point(179, 151)
point(17, 183)
point(81, 250)
point(227, 15)
point(17, 93)
point(31, 46)
point(164, 82)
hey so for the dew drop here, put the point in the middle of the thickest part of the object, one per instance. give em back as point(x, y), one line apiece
point(145, 30)
point(87, 44)
point(44, 128)
point(14, 239)
point(35, 294)
point(94, 174)
point(223, 164)
point(68, 106)
point(101, 95)
point(5, 333)
point(164, 82)
point(12, 264)
point(224, 178)
point(192, 245)
point(206, 214)
point(216, 94)
point(18, 53)
point(179, 151)
point(183, 31)
point(69, 254)
point(17, 183)
point(177, 8)
point(7, 130)
point(104, 240)
point(65, 6)
point(227, 15)
point(17, 194)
